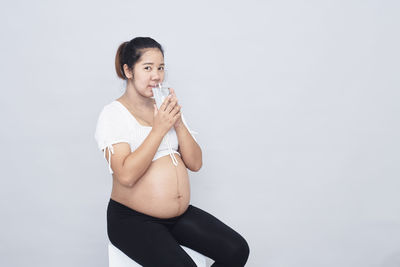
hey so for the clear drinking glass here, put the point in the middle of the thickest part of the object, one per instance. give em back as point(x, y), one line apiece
point(160, 92)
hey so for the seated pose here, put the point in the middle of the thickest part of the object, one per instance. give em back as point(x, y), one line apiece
point(149, 150)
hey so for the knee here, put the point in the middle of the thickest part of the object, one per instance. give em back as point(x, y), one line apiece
point(239, 253)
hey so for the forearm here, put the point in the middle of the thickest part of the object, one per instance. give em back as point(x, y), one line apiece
point(138, 161)
point(189, 149)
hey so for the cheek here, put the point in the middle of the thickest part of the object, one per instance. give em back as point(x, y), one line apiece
point(141, 77)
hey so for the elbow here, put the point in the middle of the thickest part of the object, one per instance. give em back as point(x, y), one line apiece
point(130, 176)
point(128, 184)
point(197, 167)
point(131, 182)
point(128, 181)
point(123, 181)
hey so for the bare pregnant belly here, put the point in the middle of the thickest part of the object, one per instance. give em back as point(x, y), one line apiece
point(163, 191)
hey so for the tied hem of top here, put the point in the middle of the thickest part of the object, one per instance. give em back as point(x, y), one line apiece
point(111, 151)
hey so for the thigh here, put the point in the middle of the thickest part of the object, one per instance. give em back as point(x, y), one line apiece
point(145, 241)
point(208, 235)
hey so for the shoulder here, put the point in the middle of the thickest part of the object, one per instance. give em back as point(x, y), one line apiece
point(111, 125)
point(110, 115)
point(109, 111)
point(110, 107)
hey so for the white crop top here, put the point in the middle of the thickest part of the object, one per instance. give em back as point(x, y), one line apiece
point(116, 124)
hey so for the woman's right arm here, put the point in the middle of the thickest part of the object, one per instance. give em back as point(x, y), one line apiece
point(129, 166)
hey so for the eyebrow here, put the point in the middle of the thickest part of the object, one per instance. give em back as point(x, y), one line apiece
point(150, 63)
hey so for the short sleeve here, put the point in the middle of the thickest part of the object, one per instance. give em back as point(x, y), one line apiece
point(190, 130)
point(110, 129)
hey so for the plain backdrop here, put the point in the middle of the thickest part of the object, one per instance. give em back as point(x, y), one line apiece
point(296, 104)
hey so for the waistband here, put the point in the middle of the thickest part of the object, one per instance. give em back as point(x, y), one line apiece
point(121, 208)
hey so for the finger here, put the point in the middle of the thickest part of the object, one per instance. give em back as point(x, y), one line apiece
point(177, 115)
point(165, 103)
point(176, 110)
point(171, 105)
point(155, 109)
point(173, 95)
point(174, 99)
point(172, 92)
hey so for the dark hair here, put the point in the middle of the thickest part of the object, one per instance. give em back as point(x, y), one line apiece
point(130, 52)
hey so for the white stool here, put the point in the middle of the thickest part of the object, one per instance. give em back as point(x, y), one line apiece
point(116, 258)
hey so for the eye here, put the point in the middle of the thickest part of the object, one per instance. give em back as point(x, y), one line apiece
point(161, 68)
point(147, 68)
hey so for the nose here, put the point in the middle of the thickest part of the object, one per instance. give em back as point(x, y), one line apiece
point(156, 76)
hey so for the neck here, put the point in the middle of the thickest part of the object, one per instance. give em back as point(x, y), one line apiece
point(135, 100)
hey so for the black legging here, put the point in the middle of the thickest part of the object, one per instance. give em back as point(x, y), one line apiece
point(155, 242)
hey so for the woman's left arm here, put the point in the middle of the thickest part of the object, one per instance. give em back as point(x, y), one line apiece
point(188, 148)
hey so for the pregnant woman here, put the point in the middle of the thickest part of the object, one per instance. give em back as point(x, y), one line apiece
point(149, 150)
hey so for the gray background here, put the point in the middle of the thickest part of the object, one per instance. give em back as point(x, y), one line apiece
point(296, 104)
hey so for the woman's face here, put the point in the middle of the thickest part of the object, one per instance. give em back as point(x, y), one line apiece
point(148, 71)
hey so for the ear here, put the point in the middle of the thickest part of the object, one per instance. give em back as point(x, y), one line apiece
point(128, 72)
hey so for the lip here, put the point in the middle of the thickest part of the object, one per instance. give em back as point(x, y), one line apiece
point(154, 85)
